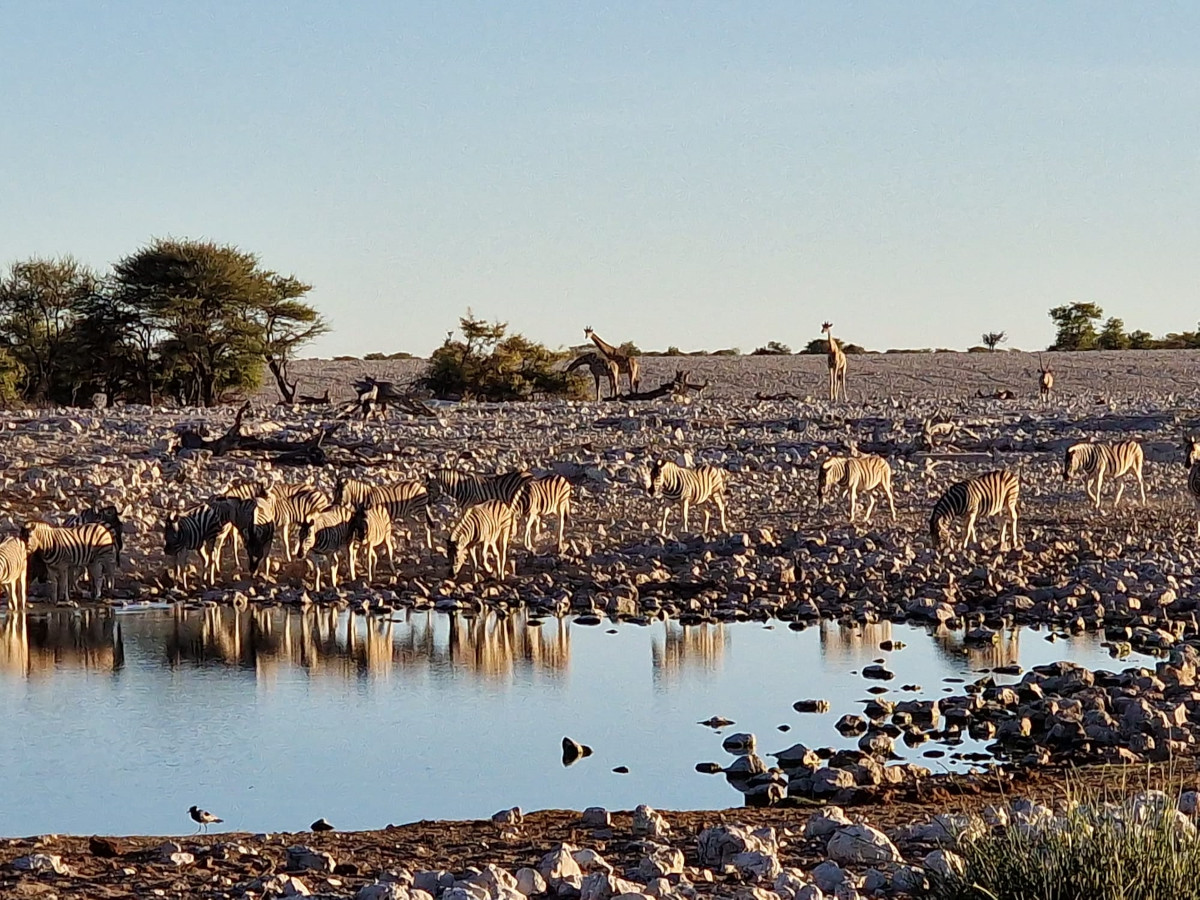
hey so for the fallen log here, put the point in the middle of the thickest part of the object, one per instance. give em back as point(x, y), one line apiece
point(310, 452)
point(679, 386)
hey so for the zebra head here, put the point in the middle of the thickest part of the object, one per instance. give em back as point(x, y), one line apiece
point(652, 478)
point(939, 528)
point(173, 542)
point(339, 491)
point(1192, 446)
point(456, 553)
point(1072, 460)
point(306, 538)
point(33, 535)
point(824, 476)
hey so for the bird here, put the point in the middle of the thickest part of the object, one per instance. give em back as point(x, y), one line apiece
point(203, 818)
point(321, 824)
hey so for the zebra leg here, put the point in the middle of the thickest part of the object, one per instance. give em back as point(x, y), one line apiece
point(1141, 485)
point(720, 501)
point(529, 531)
point(870, 508)
point(707, 519)
point(1120, 491)
point(562, 526)
point(891, 500)
point(1100, 487)
point(95, 574)
point(350, 554)
point(686, 506)
point(663, 528)
point(969, 533)
point(287, 544)
point(853, 492)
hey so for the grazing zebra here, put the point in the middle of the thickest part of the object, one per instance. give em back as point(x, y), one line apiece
point(251, 522)
point(379, 531)
point(469, 490)
point(13, 557)
point(989, 494)
point(1096, 460)
point(235, 533)
point(854, 474)
point(330, 533)
point(89, 547)
point(549, 495)
point(295, 504)
point(402, 500)
point(691, 487)
point(1193, 483)
point(486, 527)
point(201, 529)
point(601, 367)
point(837, 364)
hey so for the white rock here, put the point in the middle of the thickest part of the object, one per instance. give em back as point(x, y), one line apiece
point(301, 859)
point(530, 881)
point(945, 863)
point(41, 862)
point(860, 843)
point(829, 876)
point(826, 822)
point(559, 864)
point(756, 865)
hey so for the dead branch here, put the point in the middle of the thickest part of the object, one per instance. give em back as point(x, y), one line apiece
point(679, 386)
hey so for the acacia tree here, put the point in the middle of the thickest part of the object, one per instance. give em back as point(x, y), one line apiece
point(1076, 326)
point(213, 316)
point(992, 339)
point(1113, 337)
point(40, 302)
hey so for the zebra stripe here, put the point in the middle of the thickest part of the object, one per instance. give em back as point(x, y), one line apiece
point(88, 547)
point(378, 532)
point(202, 529)
point(688, 487)
point(329, 533)
point(469, 490)
point(13, 565)
point(855, 474)
point(986, 495)
point(1192, 461)
point(293, 506)
point(1097, 460)
point(401, 500)
point(548, 495)
point(486, 527)
point(108, 516)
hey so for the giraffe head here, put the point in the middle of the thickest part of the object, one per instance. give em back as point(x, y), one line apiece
point(828, 326)
point(587, 332)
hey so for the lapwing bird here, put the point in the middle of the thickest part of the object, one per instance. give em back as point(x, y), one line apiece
point(202, 818)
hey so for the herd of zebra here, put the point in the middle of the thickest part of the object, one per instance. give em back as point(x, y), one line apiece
point(360, 518)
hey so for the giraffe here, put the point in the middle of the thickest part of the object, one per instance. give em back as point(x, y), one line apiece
point(837, 365)
point(601, 367)
point(626, 364)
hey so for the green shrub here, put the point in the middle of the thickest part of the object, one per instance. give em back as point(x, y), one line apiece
point(377, 357)
point(773, 348)
point(491, 365)
point(730, 351)
point(12, 373)
point(1096, 852)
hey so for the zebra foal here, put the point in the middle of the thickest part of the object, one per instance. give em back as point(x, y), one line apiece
point(13, 576)
point(688, 487)
point(1097, 460)
point(483, 528)
point(989, 494)
point(89, 547)
point(330, 533)
point(854, 474)
point(549, 495)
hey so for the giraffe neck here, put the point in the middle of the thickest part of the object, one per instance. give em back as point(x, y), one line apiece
point(607, 349)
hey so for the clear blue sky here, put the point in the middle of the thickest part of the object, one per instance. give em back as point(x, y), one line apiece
point(700, 174)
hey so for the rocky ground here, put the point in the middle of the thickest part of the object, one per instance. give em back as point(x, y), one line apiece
point(895, 846)
point(1130, 574)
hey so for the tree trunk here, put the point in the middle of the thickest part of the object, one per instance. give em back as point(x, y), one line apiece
point(279, 370)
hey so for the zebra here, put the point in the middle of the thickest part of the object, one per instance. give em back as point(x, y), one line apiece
point(548, 495)
point(1192, 446)
point(295, 504)
point(13, 564)
point(468, 490)
point(235, 533)
point(330, 532)
point(89, 547)
point(1096, 460)
point(202, 528)
point(688, 486)
point(854, 474)
point(487, 526)
point(378, 531)
point(400, 500)
point(108, 516)
point(989, 494)
point(252, 523)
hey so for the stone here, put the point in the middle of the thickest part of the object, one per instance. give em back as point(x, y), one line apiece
point(648, 822)
point(755, 865)
point(303, 859)
point(740, 744)
point(530, 881)
point(573, 751)
point(945, 863)
point(717, 846)
point(860, 843)
point(829, 876)
point(826, 822)
point(829, 781)
point(508, 816)
point(559, 864)
point(589, 860)
point(659, 863)
point(382, 890)
point(595, 817)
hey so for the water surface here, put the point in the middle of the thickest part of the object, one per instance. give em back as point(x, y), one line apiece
point(117, 723)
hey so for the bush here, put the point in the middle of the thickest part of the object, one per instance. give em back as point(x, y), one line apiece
point(12, 373)
point(377, 357)
point(1099, 851)
point(820, 346)
point(773, 348)
point(731, 351)
point(491, 365)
